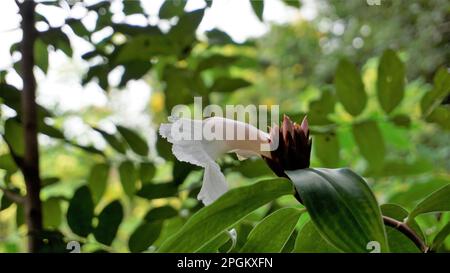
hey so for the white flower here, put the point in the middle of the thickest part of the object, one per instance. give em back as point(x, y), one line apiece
point(201, 142)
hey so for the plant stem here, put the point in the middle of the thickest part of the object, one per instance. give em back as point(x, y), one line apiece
point(30, 170)
point(406, 230)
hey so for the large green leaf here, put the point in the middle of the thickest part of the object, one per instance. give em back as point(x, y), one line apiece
point(136, 142)
point(440, 90)
point(350, 88)
point(435, 202)
point(108, 223)
point(398, 242)
point(128, 177)
point(272, 233)
point(160, 213)
point(97, 180)
point(391, 81)
point(309, 240)
point(81, 212)
point(441, 116)
point(370, 142)
point(342, 207)
point(221, 215)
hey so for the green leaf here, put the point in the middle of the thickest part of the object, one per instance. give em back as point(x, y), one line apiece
point(440, 90)
point(271, 234)
point(160, 213)
point(292, 3)
point(52, 213)
point(108, 223)
point(7, 163)
point(136, 142)
point(81, 212)
point(155, 191)
point(350, 88)
point(171, 8)
point(183, 33)
point(144, 236)
point(440, 237)
point(391, 81)
point(14, 136)
point(435, 202)
point(342, 207)
point(320, 109)
point(134, 70)
point(309, 240)
point(398, 242)
point(132, 7)
point(214, 245)
point(97, 180)
point(370, 142)
point(441, 116)
point(113, 141)
point(229, 84)
point(146, 172)
point(78, 27)
point(211, 221)
point(326, 148)
point(41, 55)
point(128, 177)
point(258, 8)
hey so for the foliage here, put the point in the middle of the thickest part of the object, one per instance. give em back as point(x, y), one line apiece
point(372, 110)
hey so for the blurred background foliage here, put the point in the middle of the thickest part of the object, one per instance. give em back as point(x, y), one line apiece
point(111, 183)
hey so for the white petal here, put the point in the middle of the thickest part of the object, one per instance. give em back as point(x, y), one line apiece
point(214, 184)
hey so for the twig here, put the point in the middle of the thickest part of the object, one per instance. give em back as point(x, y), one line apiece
point(406, 230)
point(13, 196)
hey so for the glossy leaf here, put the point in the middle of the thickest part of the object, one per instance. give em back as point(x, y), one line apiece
point(271, 234)
point(14, 136)
point(160, 213)
point(440, 237)
point(342, 207)
point(350, 88)
point(391, 81)
point(221, 215)
point(309, 240)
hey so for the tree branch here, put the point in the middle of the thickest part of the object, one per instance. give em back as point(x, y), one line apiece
point(13, 196)
point(30, 169)
point(406, 230)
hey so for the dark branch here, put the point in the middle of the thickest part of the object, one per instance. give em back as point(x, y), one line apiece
point(406, 230)
point(13, 196)
point(30, 168)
